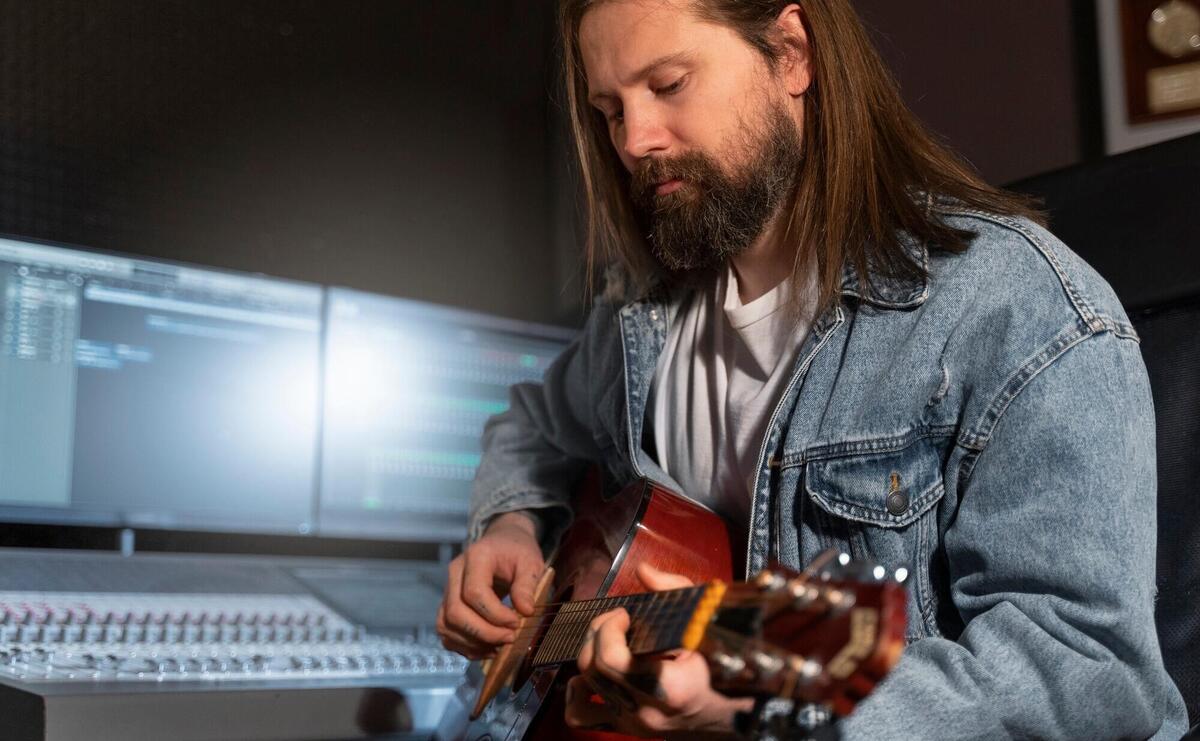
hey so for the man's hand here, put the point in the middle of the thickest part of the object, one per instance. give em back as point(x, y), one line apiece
point(671, 696)
point(507, 559)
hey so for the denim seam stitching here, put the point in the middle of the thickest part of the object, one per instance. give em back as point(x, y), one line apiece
point(891, 444)
point(1081, 304)
point(1018, 381)
point(918, 506)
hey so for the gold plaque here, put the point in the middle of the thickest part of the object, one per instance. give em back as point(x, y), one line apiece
point(1174, 29)
point(1173, 88)
point(1161, 46)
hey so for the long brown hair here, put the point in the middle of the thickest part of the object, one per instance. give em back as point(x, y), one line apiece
point(867, 159)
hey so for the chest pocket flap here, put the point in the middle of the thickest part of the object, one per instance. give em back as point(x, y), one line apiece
point(887, 488)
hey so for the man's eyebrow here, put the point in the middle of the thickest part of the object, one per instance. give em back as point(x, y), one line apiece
point(679, 57)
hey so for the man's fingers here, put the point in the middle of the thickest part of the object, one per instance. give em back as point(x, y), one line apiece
point(587, 651)
point(657, 580)
point(478, 592)
point(452, 640)
point(605, 649)
point(529, 571)
point(466, 622)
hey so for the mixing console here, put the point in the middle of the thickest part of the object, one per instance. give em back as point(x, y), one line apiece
point(98, 646)
point(198, 637)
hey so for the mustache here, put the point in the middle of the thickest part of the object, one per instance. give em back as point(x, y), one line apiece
point(650, 173)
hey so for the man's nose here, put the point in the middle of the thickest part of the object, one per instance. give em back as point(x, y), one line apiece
point(644, 135)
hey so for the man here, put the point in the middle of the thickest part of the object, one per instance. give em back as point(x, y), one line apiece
point(836, 335)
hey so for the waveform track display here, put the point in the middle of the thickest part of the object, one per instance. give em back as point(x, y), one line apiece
point(409, 388)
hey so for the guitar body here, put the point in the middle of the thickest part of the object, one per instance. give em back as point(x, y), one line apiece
point(643, 523)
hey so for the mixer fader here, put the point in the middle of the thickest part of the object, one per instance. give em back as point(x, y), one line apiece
point(162, 638)
point(218, 648)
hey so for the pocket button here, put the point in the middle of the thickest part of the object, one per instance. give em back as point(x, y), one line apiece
point(897, 502)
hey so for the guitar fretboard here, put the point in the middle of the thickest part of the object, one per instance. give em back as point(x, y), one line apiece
point(657, 623)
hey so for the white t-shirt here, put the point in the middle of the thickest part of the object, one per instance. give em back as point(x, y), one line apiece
point(720, 375)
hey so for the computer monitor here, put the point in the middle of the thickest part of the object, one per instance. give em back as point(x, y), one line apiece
point(141, 393)
point(408, 388)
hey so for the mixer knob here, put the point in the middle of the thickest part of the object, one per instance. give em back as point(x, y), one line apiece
point(137, 666)
point(107, 663)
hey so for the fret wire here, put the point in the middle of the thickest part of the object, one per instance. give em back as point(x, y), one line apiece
point(647, 624)
point(567, 621)
point(546, 644)
point(574, 637)
point(564, 637)
point(556, 630)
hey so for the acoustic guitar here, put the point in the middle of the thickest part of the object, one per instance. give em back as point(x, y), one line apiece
point(827, 635)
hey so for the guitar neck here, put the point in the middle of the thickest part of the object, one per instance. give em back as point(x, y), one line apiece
point(659, 621)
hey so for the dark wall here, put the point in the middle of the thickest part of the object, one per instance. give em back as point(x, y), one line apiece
point(393, 146)
point(408, 147)
point(1005, 83)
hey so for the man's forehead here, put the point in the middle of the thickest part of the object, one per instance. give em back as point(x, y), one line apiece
point(622, 41)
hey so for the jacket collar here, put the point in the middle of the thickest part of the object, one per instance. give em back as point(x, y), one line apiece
point(888, 292)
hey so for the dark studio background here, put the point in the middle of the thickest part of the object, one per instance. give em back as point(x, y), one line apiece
point(417, 148)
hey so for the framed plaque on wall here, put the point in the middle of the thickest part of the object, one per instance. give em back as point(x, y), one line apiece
point(1160, 44)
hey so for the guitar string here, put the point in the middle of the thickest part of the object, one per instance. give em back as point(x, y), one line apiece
point(587, 615)
point(556, 625)
point(545, 607)
point(570, 640)
point(671, 615)
point(568, 627)
point(732, 639)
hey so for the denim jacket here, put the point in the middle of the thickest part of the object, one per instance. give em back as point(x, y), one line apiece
point(1008, 395)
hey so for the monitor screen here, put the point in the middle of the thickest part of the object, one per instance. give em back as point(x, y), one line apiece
point(141, 393)
point(408, 388)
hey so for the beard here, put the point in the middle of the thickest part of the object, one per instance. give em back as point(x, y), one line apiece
point(714, 215)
